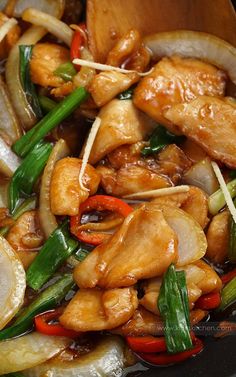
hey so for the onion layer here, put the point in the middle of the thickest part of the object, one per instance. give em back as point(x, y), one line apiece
point(53, 7)
point(106, 360)
point(9, 161)
point(12, 283)
point(47, 219)
point(29, 350)
point(194, 44)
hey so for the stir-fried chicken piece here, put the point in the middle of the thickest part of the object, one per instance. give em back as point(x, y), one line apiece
point(25, 236)
point(176, 80)
point(197, 205)
point(10, 39)
point(218, 237)
point(210, 122)
point(121, 124)
point(200, 279)
point(193, 151)
point(46, 58)
point(144, 246)
point(66, 194)
point(95, 309)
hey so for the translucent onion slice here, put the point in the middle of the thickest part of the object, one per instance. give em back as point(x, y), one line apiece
point(9, 161)
point(4, 193)
point(53, 7)
point(48, 221)
point(192, 242)
point(17, 94)
point(29, 350)
point(54, 26)
point(106, 360)
point(6, 27)
point(12, 283)
point(194, 44)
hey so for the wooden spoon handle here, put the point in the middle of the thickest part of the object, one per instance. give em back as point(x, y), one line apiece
point(108, 20)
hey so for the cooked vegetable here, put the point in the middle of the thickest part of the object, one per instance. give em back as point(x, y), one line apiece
point(46, 104)
point(167, 359)
point(229, 276)
point(217, 200)
point(28, 86)
point(146, 344)
point(48, 221)
point(173, 306)
point(43, 326)
point(232, 240)
point(29, 350)
point(58, 247)
point(53, 7)
point(228, 294)
point(158, 192)
point(9, 161)
point(209, 301)
point(61, 111)
point(127, 94)
point(6, 27)
point(160, 138)
point(27, 173)
point(76, 44)
point(98, 203)
point(12, 282)
point(66, 71)
point(46, 300)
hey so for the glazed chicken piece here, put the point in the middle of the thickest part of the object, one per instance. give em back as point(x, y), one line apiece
point(65, 191)
point(176, 80)
point(46, 58)
point(200, 279)
point(10, 39)
point(95, 309)
point(144, 246)
point(121, 124)
point(218, 237)
point(210, 122)
point(128, 172)
point(197, 205)
point(25, 236)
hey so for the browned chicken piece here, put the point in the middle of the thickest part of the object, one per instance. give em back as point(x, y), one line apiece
point(218, 237)
point(25, 236)
point(10, 39)
point(176, 200)
point(211, 282)
point(46, 58)
point(106, 85)
point(66, 195)
point(95, 309)
point(176, 80)
point(210, 122)
point(197, 206)
point(121, 123)
point(143, 247)
point(63, 90)
point(193, 151)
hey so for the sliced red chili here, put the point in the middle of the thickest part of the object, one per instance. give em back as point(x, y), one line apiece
point(55, 329)
point(229, 276)
point(98, 203)
point(76, 44)
point(208, 301)
point(168, 359)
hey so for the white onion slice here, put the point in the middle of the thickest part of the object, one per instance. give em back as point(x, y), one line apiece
point(6, 27)
point(12, 283)
point(47, 219)
point(54, 26)
point(53, 7)
point(29, 350)
point(4, 184)
point(106, 360)
point(158, 192)
point(9, 161)
point(194, 44)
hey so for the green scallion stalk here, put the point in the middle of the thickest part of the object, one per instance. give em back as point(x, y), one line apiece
point(66, 71)
point(28, 172)
point(228, 295)
point(181, 280)
point(217, 200)
point(127, 94)
point(173, 304)
point(48, 299)
point(82, 252)
point(58, 247)
point(232, 240)
point(47, 104)
point(27, 85)
point(159, 139)
point(60, 112)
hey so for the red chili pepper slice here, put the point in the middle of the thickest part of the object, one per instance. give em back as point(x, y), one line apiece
point(208, 301)
point(168, 359)
point(229, 276)
point(98, 203)
point(76, 44)
point(42, 325)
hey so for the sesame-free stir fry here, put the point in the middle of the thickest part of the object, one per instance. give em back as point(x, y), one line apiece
point(117, 187)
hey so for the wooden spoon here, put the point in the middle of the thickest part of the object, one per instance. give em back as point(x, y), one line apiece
point(108, 20)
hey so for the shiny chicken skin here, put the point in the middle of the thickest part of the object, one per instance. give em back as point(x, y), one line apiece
point(65, 191)
point(211, 123)
point(95, 309)
point(175, 80)
point(144, 246)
